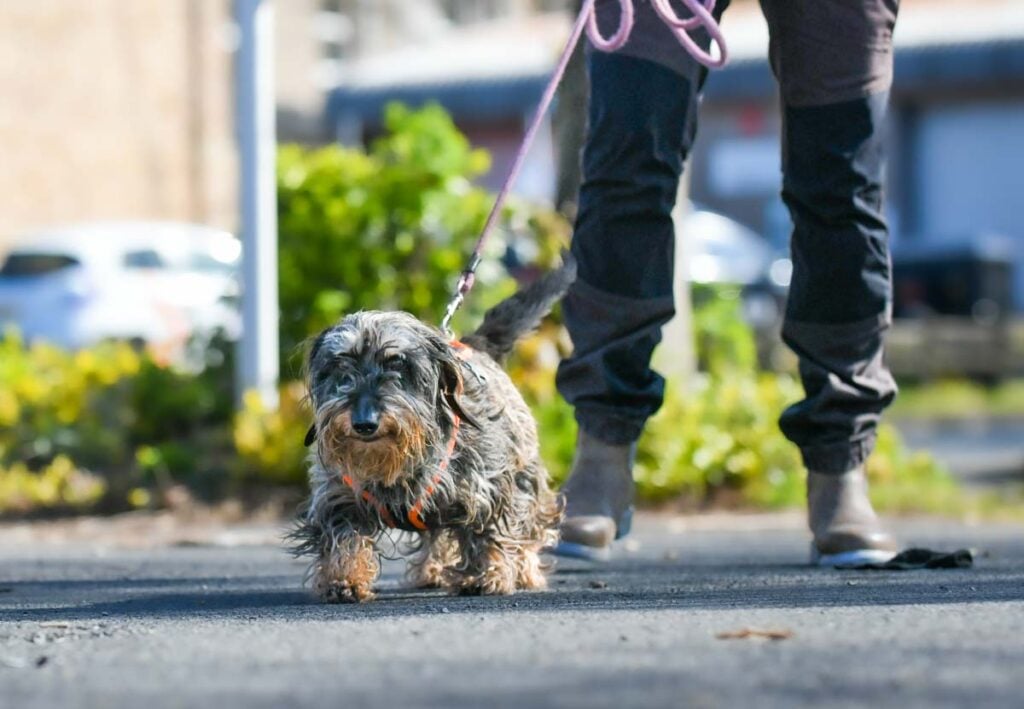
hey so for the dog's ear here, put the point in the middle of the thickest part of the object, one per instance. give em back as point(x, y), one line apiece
point(312, 351)
point(450, 384)
point(314, 348)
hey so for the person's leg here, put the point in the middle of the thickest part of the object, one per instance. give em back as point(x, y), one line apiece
point(642, 121)
point(833, 60)
point(640, 129)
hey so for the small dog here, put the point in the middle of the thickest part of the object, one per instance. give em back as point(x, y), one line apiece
point(416, 432)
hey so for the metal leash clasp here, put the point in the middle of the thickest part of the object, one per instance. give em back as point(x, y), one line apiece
point(465, 284)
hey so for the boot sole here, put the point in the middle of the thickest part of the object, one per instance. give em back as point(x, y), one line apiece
point(850, 559)
point(574, 550)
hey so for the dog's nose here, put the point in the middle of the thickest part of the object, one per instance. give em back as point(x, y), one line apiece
point(365, 418)
point(364, 428)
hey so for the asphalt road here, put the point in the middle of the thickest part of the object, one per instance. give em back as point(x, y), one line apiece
point(218, 626)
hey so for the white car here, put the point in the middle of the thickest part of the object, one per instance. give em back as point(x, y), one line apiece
point(153, 283)
point(718, 249)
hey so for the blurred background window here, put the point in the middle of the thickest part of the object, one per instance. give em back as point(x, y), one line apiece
point(29, 264)
point(144, 258)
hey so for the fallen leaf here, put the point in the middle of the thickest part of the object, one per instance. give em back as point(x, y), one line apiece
point(751, 633)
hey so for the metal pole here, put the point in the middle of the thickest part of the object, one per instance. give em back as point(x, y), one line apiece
point(258, 365)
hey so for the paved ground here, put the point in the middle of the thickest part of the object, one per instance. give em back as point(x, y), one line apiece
point(223, 626)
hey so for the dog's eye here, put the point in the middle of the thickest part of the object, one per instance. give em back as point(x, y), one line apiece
point(394, 363)
point(346, 380)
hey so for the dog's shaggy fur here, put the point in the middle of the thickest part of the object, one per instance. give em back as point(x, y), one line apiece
point(390, 396)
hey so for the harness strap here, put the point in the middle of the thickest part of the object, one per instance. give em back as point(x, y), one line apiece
point(415, 515)
point(368, 496)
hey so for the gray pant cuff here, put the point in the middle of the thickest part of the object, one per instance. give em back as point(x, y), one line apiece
point(838, 458)
point(606, 426)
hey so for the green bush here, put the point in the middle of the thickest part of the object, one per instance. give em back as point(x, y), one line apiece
point(270, 442)
point(59, 417)
point(958, 398)
point(87, 428)
point(724, 342)
point(389, 228)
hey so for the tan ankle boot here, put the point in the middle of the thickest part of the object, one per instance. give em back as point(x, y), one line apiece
point(599, 497)
point(846, 530)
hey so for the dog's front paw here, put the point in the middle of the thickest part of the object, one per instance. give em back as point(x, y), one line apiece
point(497, 580)
point(347, 576)
point(341, 592)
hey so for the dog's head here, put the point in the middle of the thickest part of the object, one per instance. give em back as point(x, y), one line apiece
point(385, 390)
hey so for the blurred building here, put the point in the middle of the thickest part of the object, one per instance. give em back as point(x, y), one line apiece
point(486, 62)
point(123, 110)
point(956, 134)
point(115, 110)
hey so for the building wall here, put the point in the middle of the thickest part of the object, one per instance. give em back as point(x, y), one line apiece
point(968, 176)
point(115, 110)
point(301, 70)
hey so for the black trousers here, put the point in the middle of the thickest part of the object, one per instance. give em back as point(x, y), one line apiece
point(833, 61)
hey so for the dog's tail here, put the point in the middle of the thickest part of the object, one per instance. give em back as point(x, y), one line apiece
point(521, 314)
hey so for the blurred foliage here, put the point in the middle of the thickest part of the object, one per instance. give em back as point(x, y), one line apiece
point(86, 428)
point(270, 442)
point(724, 342)
point(960, 398)
point(58, 484)
point(57, 407)
point(390, 227)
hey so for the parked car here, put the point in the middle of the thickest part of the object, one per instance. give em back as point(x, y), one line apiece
point(719, 249)
point(153, 283)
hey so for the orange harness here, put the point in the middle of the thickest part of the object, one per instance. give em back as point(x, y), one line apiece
point(415, 515)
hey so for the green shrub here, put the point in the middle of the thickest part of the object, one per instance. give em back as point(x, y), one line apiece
point(724, 342)
point(59, 416)
point(80, 429)
point(391, 227)
point(270, 442)
point(958, 398)
point(59, 484)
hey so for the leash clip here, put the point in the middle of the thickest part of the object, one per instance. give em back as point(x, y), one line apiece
point(465, 284)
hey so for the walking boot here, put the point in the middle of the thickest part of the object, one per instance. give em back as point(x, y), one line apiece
point(846, 530)
point(599, 498)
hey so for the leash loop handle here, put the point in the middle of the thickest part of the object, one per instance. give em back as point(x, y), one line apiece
point(621, 36)
point(702, 17)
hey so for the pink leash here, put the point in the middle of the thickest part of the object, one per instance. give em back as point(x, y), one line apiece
point(701, 17)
